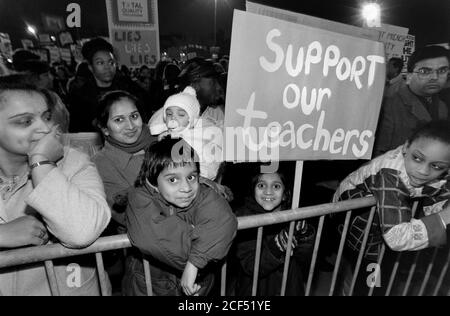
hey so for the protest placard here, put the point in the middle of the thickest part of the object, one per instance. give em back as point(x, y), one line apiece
point(55, 54)
point(393, 37)
point(316, 22)
point(66, 55)
point(408, 50)
point(300, 93)
point(65, 38)
point(26, 43)
point(5, 45)
point(134, 31)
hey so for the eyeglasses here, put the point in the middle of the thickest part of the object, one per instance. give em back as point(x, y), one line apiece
point(426, 73)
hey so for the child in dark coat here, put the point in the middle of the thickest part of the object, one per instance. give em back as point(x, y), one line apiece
point(179, 224)
point(270, 194)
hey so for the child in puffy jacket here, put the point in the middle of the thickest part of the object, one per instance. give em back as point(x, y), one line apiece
point(178, 224)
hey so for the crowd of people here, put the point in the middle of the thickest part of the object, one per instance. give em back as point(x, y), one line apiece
point(155, 177)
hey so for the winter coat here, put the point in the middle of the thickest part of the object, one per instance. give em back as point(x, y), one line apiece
point(400, 116)
point(119, 171)
point(71, 202)
point(272, 259)
point(386, 179)
point(201, 233)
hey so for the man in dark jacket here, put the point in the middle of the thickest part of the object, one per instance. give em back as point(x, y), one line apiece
point(83, 97)
point(415, 103)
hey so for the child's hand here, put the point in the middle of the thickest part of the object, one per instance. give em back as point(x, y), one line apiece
point(23, 231)
point(303, 232)
point(282, 238)
point(48, 147)
point(188, 280)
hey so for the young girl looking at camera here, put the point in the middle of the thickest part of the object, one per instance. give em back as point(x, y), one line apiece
point(270, 193)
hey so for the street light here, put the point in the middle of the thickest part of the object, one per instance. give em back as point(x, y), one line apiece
point(32, 30)
point(372, 14)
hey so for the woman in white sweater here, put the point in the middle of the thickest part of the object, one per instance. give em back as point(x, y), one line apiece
point(48, 193)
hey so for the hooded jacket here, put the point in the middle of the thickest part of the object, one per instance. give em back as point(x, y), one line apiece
point(201, 233)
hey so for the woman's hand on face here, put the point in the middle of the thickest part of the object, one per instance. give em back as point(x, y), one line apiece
point(48, 147)
point(23, 231)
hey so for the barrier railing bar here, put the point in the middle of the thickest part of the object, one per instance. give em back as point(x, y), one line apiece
point(148, 277)
point(428, 272)
point(50, 269)
point(101, 273)
point(47, 253)
point(363, 249)
point(257, 261)
point(397, 259)
point(23, 256)
point(287, 259)
point(442, 275)
point(295, 203)
point(56, 251)
point(266, 219)
point(414, 265)
point(411, 274)
point(223, 281)
point(378, 271)
point(337, 264)
point(314, 256)
point(393, 274)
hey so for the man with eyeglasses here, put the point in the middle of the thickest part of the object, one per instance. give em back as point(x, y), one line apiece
point(415, 103)
point(84, 95)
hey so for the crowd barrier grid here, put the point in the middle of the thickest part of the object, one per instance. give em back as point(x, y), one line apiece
point(48, 253)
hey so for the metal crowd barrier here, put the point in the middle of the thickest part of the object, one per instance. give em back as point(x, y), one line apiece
point(48, 253)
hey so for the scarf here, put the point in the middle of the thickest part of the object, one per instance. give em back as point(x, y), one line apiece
point(144, 140)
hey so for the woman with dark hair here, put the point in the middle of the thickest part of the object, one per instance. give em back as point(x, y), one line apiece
point(119, 120)
point(48, 193)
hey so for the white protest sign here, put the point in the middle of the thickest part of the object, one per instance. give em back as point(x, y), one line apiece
point(303, 19)
point(26, 43)
point(133, 10)
point(393, 37)
point(408, 50)
point(300, 93)
point(55, 54)
point(66, 55)
point(5, 45)
point(134, 31)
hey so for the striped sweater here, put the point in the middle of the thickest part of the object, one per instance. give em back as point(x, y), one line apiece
point(386, 179)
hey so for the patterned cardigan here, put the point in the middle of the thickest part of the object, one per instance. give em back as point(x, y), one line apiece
point(385, 178)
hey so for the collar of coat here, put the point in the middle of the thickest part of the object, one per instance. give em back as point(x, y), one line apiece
point(415, 106)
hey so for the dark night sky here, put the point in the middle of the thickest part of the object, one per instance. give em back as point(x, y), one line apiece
point(194, 19)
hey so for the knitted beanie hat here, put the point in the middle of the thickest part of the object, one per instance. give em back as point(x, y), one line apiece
point(186, 100)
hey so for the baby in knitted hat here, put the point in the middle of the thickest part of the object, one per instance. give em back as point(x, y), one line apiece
point(180, 118)
point(181, 111)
